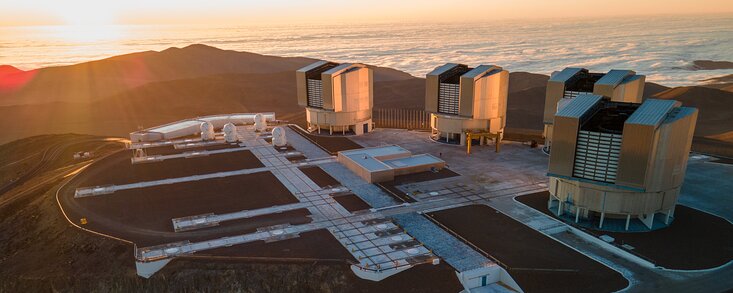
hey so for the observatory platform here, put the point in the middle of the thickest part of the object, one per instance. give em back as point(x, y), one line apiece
point(260, 195)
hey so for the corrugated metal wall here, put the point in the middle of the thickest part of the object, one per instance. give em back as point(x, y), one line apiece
point(401, 118)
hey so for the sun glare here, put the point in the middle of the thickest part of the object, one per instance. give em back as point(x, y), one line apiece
point(88, 33)
point(86, 21)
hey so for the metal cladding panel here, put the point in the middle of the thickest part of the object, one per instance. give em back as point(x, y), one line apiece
point(330, 85)
point(470, 86)
point(432, 84)
point(564, 141)
point(553, 94)
point(354, 90)
point(327, 91)
point(579, 106)
point(555, 91)
point(632, 90)
point(637, 150)
point(652, 112)
point(490, 96)
point(675, 140)
point(301, 88)
point(465, 97)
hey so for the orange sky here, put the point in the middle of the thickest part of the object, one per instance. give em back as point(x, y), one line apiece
point(85, 12)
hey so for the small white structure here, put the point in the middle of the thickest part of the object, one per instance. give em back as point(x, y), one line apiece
point(230, 133)
point(278, 137)
point(260, 122)
point(192, 126)
point(207, 131)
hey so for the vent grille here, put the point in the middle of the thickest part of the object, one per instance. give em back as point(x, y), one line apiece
point(315, 93)
point(448, 98)
point(596, 156)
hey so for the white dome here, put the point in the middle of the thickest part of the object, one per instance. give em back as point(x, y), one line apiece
point(207, 131)
point(278, 137)
point(260, 122)
point(230, 132)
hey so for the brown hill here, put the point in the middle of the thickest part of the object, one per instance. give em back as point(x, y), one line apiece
point(94, 80)
point(715, 114)
point(113, 97)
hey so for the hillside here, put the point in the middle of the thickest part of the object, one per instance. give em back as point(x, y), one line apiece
point(715, 114)
point(117, 95)
point(94, 80)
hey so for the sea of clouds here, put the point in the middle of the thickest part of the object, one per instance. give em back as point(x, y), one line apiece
point(662, 48)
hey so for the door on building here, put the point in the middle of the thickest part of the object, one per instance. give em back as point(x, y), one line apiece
point(366, 127)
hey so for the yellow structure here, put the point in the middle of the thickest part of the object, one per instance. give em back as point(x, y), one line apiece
point(618, 161)
point(465, 100)
point(563, 86)
point(337, 97)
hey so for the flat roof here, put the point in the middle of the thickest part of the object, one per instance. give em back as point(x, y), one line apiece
point(377, 151)
point(368, 162)
point(368, 158)
point(417, 160)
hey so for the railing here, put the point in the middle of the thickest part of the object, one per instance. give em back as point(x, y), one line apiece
point(401, 118)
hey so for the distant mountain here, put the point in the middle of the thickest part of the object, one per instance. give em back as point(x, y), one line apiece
point(711, 65)
point(94, 80)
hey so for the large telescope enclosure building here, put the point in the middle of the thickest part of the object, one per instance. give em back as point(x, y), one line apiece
point(619, 166)
point(465, 101)
point(338, 97)
point(563, 86)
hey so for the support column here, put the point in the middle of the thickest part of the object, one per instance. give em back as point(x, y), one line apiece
point(577, 213)
point(463, 138)
point(330, 129)
point(559, 208)
point(628, 219)
point(648, 220)
point(603, 215)
point(603, 211)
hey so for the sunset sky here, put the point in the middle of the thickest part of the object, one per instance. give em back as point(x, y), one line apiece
point(84, 12)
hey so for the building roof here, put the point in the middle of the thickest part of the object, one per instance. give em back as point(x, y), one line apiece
point(343, 67)
point(652, 112)
point(313, 66)
point(565, 74)
point(680, 113)
point(443, 68)
point(480, 71)
point(614, 77)
point(579, 105)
